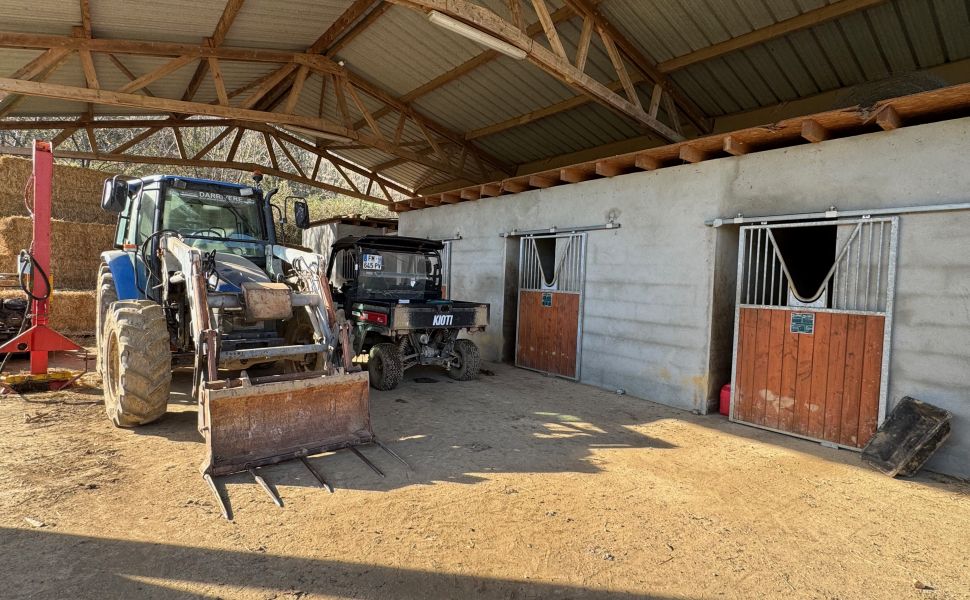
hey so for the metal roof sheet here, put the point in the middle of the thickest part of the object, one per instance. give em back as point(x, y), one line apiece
point(402, 51)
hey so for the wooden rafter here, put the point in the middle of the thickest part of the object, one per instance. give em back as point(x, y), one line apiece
point(229, 13)
point(612, 36)
point(300, 64)
point(805, 20)
point(556, 65)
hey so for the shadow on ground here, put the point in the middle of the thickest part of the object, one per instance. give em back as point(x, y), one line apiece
point(41, 563)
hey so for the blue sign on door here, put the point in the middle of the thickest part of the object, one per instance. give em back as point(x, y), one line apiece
point(547, 299)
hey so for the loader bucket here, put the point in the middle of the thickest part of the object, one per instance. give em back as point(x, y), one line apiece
point(272, 419)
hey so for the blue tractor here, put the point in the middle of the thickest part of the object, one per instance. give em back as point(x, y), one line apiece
point(199, 281)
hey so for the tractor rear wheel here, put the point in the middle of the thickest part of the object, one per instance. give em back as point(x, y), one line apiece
point(137, 363)
point(106, 295)
point(384, 366)
point(469, 361)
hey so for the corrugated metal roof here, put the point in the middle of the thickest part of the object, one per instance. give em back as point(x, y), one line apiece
point(402, 51)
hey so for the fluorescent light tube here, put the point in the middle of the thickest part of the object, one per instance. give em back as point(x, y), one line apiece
point(476, 35)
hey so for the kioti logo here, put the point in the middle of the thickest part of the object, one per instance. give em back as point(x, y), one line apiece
point(442, 320)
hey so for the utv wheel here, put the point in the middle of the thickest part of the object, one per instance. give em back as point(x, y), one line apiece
point(106, 295)
point(384, 366)
point(468, 363)
point(137, 363)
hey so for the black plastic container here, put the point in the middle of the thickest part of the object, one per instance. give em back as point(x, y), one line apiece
point(908, 438)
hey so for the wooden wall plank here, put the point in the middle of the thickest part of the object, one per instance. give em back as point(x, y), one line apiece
point(803, 383)
point(786, 410)
point(760, 383)
point(749, 331)
point(776, 346)
point(820, 370)
point(832, 420)
point(854, 352)
point(871, 378)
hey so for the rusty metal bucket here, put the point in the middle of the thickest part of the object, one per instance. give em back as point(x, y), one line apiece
point(262, 421)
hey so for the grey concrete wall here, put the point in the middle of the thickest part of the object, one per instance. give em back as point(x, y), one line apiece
point(656, 301)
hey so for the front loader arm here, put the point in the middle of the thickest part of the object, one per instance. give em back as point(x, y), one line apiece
point(309, 267)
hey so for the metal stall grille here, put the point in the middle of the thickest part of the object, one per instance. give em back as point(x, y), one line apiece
point(811, 353)
point(552, 272)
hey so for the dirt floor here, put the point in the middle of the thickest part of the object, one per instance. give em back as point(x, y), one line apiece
point(522, 487)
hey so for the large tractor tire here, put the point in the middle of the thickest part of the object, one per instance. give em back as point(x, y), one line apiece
point(384, 366)
point(469, 361)
point(106, 295)
point(137, 363)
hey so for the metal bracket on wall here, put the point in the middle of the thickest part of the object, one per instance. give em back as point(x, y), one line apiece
point(560, 230)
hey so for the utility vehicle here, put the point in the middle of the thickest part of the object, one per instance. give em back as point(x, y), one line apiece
point(389, 289)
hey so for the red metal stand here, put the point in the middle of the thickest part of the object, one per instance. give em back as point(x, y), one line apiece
point(40, 340)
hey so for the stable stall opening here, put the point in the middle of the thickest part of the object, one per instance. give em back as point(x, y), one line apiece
point(552, 273)
point(812, 328)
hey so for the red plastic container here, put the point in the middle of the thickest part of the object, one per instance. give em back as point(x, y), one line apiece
point(725, 408)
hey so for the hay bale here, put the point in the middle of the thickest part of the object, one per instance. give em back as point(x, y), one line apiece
point(72, 311)
point(75, 249)
point(76, 193)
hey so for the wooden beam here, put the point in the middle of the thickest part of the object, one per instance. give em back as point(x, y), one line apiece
point(543, 181)
point(692, 154)
point(85, 6)
point(47, 60)
point(805, 20)
point(341, 26)
point(548, 26)
point(261, 90)
point(213, 143)
point(490, 190)
point(620, 68)
point(888, 118)
point(229, 13)
point(111, 98)
point(471, 194)
point(450, 198)
point(644, 64)
point(294, 94)
point(562, 14)
point(168, 68)
point(218, 81)
point(582, 47)
point(576, 174)
point(646, 162)
point(814, 131)
point(11, 39)
point(515, 185)
point(550, 62)
point(610, 168)
point(736, 147)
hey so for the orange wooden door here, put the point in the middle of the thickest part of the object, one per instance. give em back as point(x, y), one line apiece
point(551, 281)
point(822, 385)
point(548, 332)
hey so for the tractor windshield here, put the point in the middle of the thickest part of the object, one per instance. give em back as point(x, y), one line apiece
point(218, 221)
point(386, 274)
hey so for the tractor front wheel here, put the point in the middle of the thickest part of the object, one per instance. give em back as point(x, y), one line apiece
point(106, 295)
point(384, 366)
point(137, 363)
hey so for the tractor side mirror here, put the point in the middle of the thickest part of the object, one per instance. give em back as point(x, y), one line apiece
point(301, 214)
point(115, 195)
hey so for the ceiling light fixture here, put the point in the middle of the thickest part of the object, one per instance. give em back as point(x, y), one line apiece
point(476, 35)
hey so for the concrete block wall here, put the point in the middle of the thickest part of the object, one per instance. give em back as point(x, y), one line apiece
point(656, 288)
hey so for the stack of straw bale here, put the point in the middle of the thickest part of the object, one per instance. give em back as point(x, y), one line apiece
point(79, 233)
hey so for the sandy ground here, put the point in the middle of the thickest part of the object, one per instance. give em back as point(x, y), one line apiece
point(522, 487)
